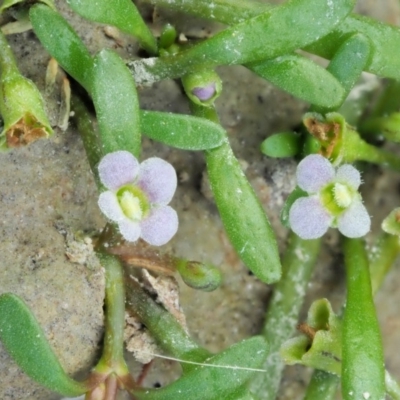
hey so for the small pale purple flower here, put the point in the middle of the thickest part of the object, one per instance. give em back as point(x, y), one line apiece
point(333, 200)
point(138, 195)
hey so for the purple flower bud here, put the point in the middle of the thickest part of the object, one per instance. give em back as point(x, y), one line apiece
point(138, 196)
point(204, 93)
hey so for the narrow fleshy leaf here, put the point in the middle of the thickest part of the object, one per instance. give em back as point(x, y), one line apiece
point(350, 60)
point(302, 78)
point(25, 341)
point(122, 14)
point(284, 144)
point(346, 66)
point(10, 3)
point(250, 231)
point(384, 40)
point(62, 42)
point(257, 38)
point(117, 106)
point(363, 371)
point(214, 381)
point(228, 12)
point(182, 131)
point(244, 219)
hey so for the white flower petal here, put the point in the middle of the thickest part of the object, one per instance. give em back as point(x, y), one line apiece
point(117, 169)
point(308, 218)
point(130, 230)
point(348, 175)
point(157, 178)
point(355, 221)
point(160, 226)
point(314, 172)
point(110, 207)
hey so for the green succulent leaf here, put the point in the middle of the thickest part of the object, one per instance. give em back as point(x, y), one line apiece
point(244, 219)
point(122, 14)
point(9, 3)
point(227, 12)
point(116, 102)
point(212, 381)
point(167, 37)
point(347, 64)
point(62, 42)
point(384, 40)
point(350, 60)
point(257, 38)
point(363, 368)
point(25, 341)
point(302, 78)
point(182, 131)
point(284, 144)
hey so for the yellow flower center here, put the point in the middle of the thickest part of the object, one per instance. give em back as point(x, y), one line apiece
point(336, 197)
point(342, 194)
point(133, 202)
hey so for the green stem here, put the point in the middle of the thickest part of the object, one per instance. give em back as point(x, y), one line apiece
point(363, 364)
point(8, 65)
point(282, 315)
point(381, 258)
point(392, 387)
point(356, 149)
point(113, 354)
point(374, 155)
point(163, 326)
point(387, 126)
point(228, 12)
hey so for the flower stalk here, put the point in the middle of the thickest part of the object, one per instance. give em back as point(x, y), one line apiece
point(281, 318)
point(111, 372)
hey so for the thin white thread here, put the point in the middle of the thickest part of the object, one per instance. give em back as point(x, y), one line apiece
point(205, 364)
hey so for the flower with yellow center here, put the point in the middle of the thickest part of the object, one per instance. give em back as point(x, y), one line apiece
point(138, 195)
point(333, 200)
